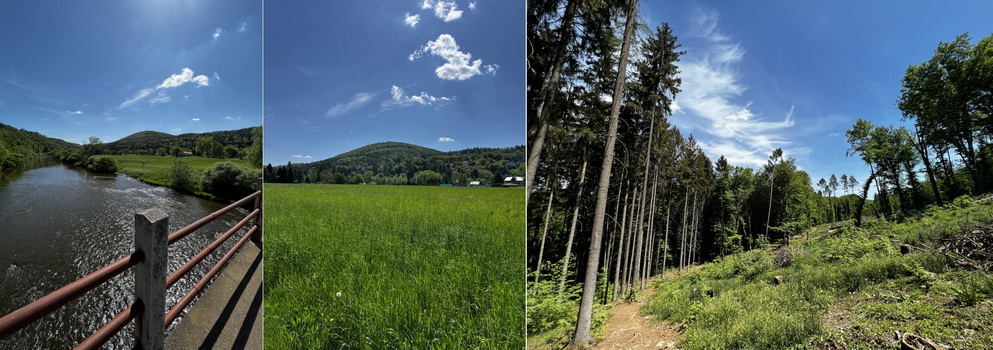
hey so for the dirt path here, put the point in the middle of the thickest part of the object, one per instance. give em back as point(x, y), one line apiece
point(627, 329)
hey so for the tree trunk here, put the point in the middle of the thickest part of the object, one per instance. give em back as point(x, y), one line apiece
point(572, 228)
point(865, 192)
point(549, 88)
point(665, 241)
point(682, 236)
point(641, 207)
point(582, 335)
point(544, 233)
point(651, 229)
point(629, 250)
point(620, 247)
point(921, 148)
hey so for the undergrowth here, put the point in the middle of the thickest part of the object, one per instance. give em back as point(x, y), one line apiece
point(748, 310)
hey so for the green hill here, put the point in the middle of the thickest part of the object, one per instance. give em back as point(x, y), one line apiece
point(398, 162)
point(147, 142)
point(16, 145)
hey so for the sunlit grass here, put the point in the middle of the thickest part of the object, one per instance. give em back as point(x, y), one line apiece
point(155, 169)
point(393, 267)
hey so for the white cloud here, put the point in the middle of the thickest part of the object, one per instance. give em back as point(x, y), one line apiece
point(472, 5)
point(457, 66)
point(446, 139)
point(195, 119)
point(232, 118)
point(401, 99)
point(217, 33)
point(76, 112)
point(357, 101)
point(411, 20)
point(217, 76)
point(185, 76)
point(301, 156)
point(176, 130)
point(137, 97)
point(447, 10)
point(243, 28)
point(710, 97)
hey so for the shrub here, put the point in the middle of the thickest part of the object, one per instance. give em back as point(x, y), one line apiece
point(182, 176)
point(101, 164)
point(228, 180)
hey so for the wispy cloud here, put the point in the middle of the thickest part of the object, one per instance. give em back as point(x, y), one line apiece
point(357, 101)
point(76, 112)
point(446, 139)
point(232, 118)
point(243, 27)
point(411, 20)
point(711, 98)
point(401, 99)
point(306, 71)
point(217, 33)
point(301, 156)
point(472, 5)
point(457, 63)
point(195, 119)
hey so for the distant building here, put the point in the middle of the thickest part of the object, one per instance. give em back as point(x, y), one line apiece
point(186, 154)
point(475, 184)
point(512, 181)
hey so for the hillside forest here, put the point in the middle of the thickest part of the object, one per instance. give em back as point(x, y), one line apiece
point(397, 163)
point(617, 194)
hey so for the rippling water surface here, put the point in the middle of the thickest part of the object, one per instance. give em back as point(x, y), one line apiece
point(59, 223)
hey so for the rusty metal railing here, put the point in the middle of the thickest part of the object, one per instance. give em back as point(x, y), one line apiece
point(154, 292)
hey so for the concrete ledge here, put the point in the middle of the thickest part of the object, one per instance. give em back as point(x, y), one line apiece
point(228, 314)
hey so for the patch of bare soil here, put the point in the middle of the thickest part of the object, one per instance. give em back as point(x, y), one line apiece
point(627, 329)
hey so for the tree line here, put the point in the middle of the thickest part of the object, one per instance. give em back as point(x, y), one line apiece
point(395, 163)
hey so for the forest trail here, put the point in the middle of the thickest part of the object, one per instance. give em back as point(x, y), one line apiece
point(627, 329)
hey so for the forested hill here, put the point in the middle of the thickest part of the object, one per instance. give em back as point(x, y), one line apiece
point(16, 145)
point(149, 142)
point(401, 163)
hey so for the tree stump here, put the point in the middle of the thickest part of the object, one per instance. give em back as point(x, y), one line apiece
point(777, 280)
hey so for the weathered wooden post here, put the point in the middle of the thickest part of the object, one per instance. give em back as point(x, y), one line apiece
point(151, 228)
point(257, 236)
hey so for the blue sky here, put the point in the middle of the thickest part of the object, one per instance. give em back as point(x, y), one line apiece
point(796, 74)
point(340, 75)
point(75, 69)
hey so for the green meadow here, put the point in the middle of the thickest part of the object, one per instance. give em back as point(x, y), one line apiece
point(404, 267)
point(155, 169)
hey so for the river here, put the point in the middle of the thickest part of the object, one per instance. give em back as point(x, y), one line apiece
point(59, 223)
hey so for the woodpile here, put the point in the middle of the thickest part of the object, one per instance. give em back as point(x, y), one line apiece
point(970, 248)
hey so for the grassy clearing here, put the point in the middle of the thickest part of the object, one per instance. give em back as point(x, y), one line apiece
point(405, 267)
point(155, 169)
point(850, 288)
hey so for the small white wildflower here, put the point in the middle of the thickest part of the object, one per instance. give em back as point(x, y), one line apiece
point(337, 295)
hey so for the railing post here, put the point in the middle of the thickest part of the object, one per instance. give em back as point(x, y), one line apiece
point(257, 236)
point(151, 238)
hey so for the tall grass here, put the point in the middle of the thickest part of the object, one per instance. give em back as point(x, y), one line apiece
point(393, 267)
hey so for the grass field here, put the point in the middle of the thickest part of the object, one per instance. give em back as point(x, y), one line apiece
point(155, 169)
point(404, 267)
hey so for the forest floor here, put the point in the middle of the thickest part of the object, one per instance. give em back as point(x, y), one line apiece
point(628, 329)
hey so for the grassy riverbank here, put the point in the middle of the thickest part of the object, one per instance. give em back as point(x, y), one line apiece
point(394, 267)
point(154, 170)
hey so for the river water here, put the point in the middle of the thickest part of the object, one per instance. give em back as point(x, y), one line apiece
point(59, 223)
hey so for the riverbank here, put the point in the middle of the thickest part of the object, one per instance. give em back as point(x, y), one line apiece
point(154, 170)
